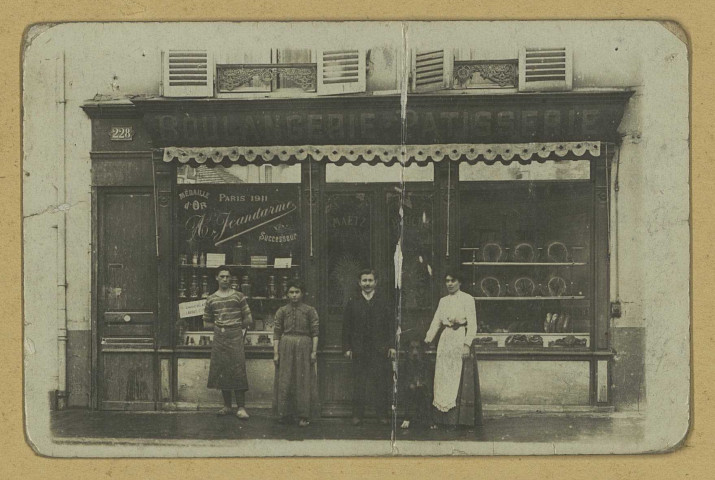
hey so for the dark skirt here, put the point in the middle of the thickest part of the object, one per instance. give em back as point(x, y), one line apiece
point(227, 370)
point(468, 411)
point(296, 380)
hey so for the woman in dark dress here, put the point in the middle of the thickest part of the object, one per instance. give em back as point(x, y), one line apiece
point(295, 350)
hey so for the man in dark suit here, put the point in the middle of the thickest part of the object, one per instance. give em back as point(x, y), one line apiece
point(369, 340)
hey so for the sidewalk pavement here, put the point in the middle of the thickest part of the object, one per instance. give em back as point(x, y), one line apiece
point(84, 426)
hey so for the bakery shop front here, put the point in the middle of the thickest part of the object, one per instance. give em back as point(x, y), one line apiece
point(511, 189)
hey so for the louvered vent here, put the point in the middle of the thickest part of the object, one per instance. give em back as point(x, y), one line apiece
point(542, 69)
point(187, 74)
point(341, 71)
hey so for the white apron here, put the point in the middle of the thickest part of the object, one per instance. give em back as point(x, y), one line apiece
point(448, 369)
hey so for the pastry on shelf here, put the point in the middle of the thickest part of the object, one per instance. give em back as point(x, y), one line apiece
point(492, 252)
point(535, 340)
point(522, 287)
point(491, 287)
point(569, 341)
point(557, 252)
point(564, 323)
point(524, 252)
point(521, 340)
point(556, 286)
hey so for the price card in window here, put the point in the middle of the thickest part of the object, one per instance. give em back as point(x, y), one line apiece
point(214, 260)
point(282, 262)
point(192, 309)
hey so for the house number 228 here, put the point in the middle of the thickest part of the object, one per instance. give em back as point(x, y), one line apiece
point(121, 133)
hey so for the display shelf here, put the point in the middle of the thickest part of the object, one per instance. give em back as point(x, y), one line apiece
point(501, 337)
point(531, 299)
point(204, 338)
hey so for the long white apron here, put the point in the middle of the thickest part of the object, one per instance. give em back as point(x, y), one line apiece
point(448, 369)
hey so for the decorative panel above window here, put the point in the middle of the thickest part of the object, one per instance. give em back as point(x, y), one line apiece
point(487, 74)
point(299, 72)
point(244, 71)
point(187, 73)
point(545, 69)
point(431, 70)
point(245, 78)
point(341, 71)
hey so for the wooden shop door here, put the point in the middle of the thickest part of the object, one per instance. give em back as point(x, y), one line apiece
point(126, 300)
point(362, 226)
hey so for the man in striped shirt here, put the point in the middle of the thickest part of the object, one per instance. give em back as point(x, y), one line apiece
point(228, 313)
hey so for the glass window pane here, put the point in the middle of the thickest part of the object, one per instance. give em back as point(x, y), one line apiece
point(380, 173)
point(348, 221)
point(251, 174)
point(254, 229)
point(526, 257)
point(550, 170)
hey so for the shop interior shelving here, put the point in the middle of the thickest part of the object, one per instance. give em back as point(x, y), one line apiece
point(547, 339)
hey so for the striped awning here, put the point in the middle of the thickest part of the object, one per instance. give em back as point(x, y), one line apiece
point(489, 153)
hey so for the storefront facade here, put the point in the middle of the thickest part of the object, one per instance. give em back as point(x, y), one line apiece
point(533, 194)
point(182, 200)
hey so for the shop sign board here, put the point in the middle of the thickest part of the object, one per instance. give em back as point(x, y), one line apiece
point(509, 120)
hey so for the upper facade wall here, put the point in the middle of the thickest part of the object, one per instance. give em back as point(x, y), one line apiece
point(128, 60)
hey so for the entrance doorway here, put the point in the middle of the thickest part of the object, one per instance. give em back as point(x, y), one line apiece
point(384, 225)
point(127, 300)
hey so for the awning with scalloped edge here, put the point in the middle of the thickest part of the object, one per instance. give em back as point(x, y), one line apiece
point(489, 153)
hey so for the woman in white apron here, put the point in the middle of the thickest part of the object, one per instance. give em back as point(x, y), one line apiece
point(457, 398)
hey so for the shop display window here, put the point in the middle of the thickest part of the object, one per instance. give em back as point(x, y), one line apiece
point(526, 257)
point(379, 173)
point(246, 217)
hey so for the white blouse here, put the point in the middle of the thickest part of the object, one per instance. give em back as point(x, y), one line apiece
point(458, 308)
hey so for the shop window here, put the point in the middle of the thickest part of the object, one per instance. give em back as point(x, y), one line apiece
point(551, 170)
point(247, 217)
point(235, 174)
point(380, 173)
point(526, 257)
